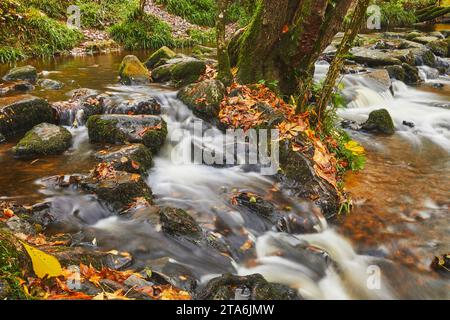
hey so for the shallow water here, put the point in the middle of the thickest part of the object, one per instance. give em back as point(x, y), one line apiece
point(400, 220)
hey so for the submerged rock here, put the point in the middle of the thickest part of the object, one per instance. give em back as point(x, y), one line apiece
point(133, 72)
point(178, 222)
point(118, 190)
point(204, 98)
point(21, 113)
point(160, 57)
point(27, 73)
point(120, 129)
point(134, 158)
point(380, 121)
point(15, 87)
point(50, 84)
point(252, 287)
point(44, 139)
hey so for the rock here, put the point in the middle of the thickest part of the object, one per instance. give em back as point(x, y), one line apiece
point(440, 47)
point(252, 287)
point(159, 57)
point(299, 179)
point(409, 124)
point(120, 129)
point(376, 58)
point(18, 225)
point(44, 139)
point(50, 84)
point(101, 46)
point(204, 98)
point(21, 113)
point(117, 190)
point(437, 34)
point(204, 52)
point(379, 121)
point(144, 105)
point(425, 39)
point(133, 72)
point(441, 265)
point(380, 77)
point(255, 204)
point(404, 73)
point(27, 73)
point(137, 282)
point(134, 158)
point(15, 87)
point(180, 71)
point(177, 222)
point(423, 56)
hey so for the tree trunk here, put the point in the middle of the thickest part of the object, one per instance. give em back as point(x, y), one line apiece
point(224, 68)
point(284, 40)
point(346, 43)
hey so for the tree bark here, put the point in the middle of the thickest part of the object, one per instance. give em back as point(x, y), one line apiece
point(224, 68)
point(284, 40)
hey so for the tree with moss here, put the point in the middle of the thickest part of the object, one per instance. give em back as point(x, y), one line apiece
point(224, 72)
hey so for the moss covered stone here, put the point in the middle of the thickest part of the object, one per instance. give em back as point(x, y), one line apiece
point(44, 139)
point(162, 73)
point(120, 129)
point(440, 47)
point(134, 158)
point(132, 71)
point(178, 222)
point(28, 73)
point(406, 73)
point(204, 98)
point(21, 113)
point(159, 56)
point(188, 71)
point(380, 121)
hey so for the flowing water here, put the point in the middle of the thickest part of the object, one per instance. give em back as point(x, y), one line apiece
point(400, 221)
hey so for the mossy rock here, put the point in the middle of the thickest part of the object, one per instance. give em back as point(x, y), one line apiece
point(162, 73)
point(204, 98)
point(133, 158)
point(412, 35)
point(160, 55)
point(204, 52)
point(440, 47)
point(405, 73)
point(225, 288)
point(187, 71)
point(133, 72)
point(121, 129)
point(425, 39)
point(28, 73)
point(118, 190)
point(423, 56)
point(380, 121)
point(44, 139)
point(177, 222)
point(21, 113)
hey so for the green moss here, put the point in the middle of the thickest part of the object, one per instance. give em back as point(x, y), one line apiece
point(155, 139)
point(380, 121)
point(187, 72)
point(104, 131)
point(155, 60)
point(132, 71)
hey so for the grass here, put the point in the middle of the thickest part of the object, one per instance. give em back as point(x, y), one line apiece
point(145, 32)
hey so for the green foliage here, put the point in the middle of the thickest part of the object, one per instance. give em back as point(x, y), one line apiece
point(401, 13)
point(145, 32)
point(201, 37)
point(9, 54)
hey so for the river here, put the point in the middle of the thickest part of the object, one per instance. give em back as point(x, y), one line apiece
point(401, 200)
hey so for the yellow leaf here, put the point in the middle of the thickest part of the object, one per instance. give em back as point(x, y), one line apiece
point(354, 147)
point(43, 263)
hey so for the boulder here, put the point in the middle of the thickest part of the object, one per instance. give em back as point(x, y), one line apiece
point(376, 58)
point(143, 105)
point(133, 158)
point(405, 73)
point(425, 39)
point(162, 73)
point(15, 87)
point(50, 84)
point(118, 189)
point(159, 57)
point(177, 222)
point(133, 72)
point(252, 287)
point(414, 34)
point(121, 129)
point(380, 121)
point(204, 98)
point(440, 47)
point(180, 71)
point(423, 56)
point(21, 113)
point(380, 78)
point(44, 139)
point(26, 73)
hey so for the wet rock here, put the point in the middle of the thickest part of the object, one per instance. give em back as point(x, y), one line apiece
point(440, 47)
point(405, 73)
point(380, 121)
point(409, 124)
point(50, 84)
point(178, 222)
point(15, 87)
point(137, 282)
point(204, 98)
point(134, 158)
point(18, 225)
point(350, 124)
point(376, 58)
point(425, 39)
point(121, 129)
point(255, 204)
point(414, 34)
point(380, 77)
point(160, 57)
point(307, 218)
point(423, 56)
point(299, 179)
point(144, 105)
point(27, 73)
point(180, 71)
point(133, 72)
point(117, 190)
point(441, 265)
point(252, 287)
point(21, 113)
point(44, 139)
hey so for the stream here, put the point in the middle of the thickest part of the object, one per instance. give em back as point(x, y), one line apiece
point(401, 200)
